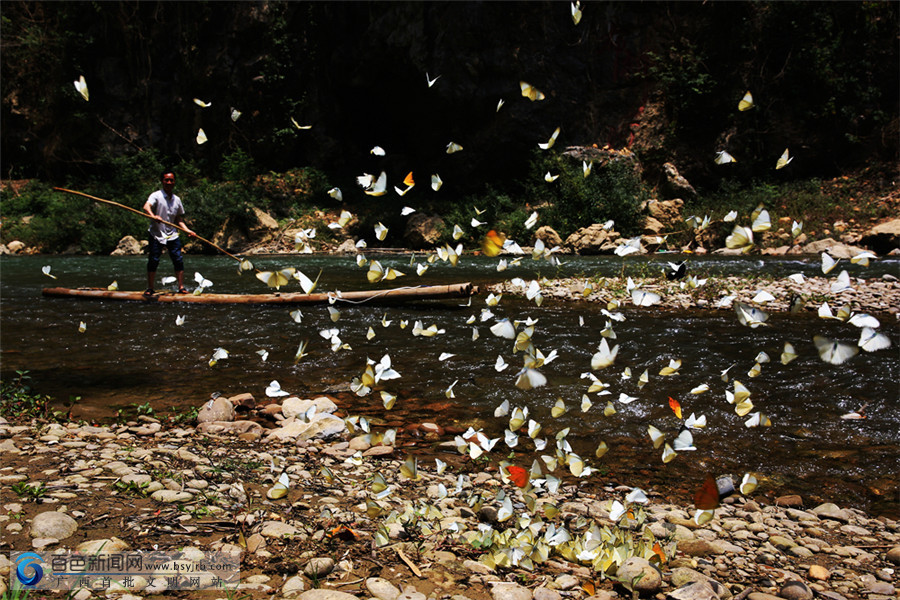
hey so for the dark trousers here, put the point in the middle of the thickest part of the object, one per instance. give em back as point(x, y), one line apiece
point(155, 248)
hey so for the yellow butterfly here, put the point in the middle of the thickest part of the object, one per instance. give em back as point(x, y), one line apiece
point(276, 279)
point(453, 147)
point(279, 490)
point(531, 92)
point(783, 160)
point(551, 141)
point(746, 102)
point(201, 137)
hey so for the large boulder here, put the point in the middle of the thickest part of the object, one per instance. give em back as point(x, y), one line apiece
point(220, 409)
point(15, 247)
point(593, 240)
point(835, 248)
point(667, 212)
point(128, 246)
point(423, 231)
point(883, 238)
point(549, 236)
point(675, 185)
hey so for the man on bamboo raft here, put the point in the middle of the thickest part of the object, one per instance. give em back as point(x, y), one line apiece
point(164, 205)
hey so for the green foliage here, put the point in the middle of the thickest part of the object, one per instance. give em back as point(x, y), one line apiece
point(18, 402)
point(500, 212)
point(237, 166)
point(682, 75)
point(133, 488)
point(34, 492)
point(613, 190)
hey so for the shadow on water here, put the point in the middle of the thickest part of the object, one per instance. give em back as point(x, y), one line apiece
point(134, 354)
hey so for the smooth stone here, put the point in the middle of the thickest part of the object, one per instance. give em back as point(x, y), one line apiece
point(781, 542)
point(411, 593)
point(881, 587)
point(762, 596)
point(171, 496)
point(819, 572)
point(544, 593)
point(319, 567)
point(293, 587)
point(52, 524)
point(637, 568)
point(696, 547)
point(277, 529)
point(789, 501)
point(698, 590)
point(112, 544)
point(255, 543)
point(893, 555)
point(382, 588)
point(795, 590)
point(323, 594)
point(682, 576)
point(220, 409)
point(831, 511)
point(510, 591)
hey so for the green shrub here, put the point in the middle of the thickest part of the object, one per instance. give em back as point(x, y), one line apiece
point(613, 190)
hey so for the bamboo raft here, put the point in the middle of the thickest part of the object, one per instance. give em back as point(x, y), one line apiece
point(395, 295)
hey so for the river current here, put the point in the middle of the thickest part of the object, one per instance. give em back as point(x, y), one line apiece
point(134, 354)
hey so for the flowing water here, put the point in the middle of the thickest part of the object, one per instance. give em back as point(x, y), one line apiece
point(133, 353)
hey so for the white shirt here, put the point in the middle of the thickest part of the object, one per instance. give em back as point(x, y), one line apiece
point(168, 208)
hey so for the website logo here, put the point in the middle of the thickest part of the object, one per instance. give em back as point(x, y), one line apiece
point(23, 563)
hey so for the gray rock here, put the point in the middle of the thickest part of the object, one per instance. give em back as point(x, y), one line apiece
point(795, 590)
point(883, 238)
point(52, 524)
point(675, 185)
point(698, 590)
point(128, 246)
point(382, 588)
point(639, 574)
point(549, 236)
point(831, 511)
point(682, 576)
point(171, 496)
point(112, 544)
point(293, 587)
point(277, 529)
point(319, 567)
point(510, 591)
point(544, 593)
point(219, 409)
point(592, 240)
point(324, 594)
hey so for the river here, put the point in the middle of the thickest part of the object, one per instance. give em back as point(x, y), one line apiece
point(133, 354)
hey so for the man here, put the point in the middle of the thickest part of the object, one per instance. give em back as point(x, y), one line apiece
point(164, 205)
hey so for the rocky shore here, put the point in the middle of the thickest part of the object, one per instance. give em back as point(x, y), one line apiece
point(879, 294)
point(468, 532)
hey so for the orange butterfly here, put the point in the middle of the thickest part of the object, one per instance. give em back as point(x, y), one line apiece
point(707, 497)
point(342, 532)
point(676, 408)
point(492, 243)
point(408, 180)
point(659, 553)
point(518, 475)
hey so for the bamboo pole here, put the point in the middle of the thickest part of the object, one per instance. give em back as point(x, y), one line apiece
point(146, 216)
point(425, 292)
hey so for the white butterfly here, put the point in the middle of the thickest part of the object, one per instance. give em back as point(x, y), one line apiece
point(436, 182)
point(82, 88)
point(274, 390)
point(179, 320)
point(723, 157)
point(551, 141)
point(604, 356)
point(46, 271)
point(828, 263)
point(645, 298)
point(832, 352)
point(530, 378)
point(201, 137)
point(201, 103)
point(842, 283)
point(431, 81)
point(453, 147)
point(871, 341)
point(531, 220)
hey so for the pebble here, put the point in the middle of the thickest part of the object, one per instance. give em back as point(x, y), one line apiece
point(54, 525)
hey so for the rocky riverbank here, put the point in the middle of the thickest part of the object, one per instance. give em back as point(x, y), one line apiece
point(880, 294)
point(467, 532)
